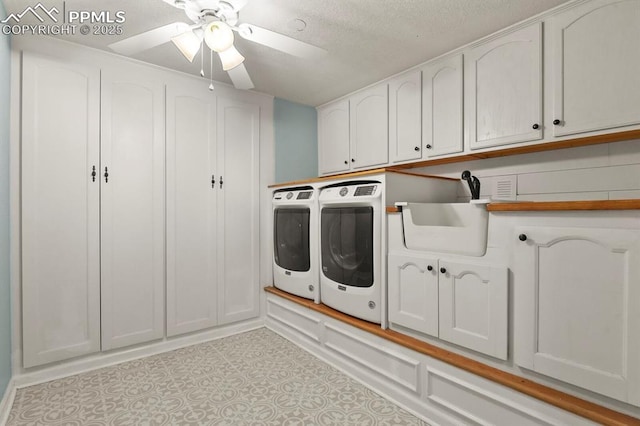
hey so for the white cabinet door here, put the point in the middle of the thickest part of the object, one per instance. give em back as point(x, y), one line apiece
point(60, 210)
point(577, 295)
point(474, 307)
point(192, 188)
point(504, 89)
point(442, 92)
point(413, 293)
point(132, 207)
point(333, 138)
point(596, 66)
point(405, 127)
point(369, 127)
point(238, 210)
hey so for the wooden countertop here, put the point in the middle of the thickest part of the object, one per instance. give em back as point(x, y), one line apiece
point(565, 205)
point(355, 175)
point(549, 395)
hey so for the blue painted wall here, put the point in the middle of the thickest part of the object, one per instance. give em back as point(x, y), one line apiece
point(296, 140)
point(5, 299)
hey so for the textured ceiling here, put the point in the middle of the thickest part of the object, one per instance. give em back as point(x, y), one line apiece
point(367, 40)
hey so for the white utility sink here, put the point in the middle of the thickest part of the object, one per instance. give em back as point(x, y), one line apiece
point(459, 228)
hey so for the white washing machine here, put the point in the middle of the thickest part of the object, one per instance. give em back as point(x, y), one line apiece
point(295, 241)
point(350, 248)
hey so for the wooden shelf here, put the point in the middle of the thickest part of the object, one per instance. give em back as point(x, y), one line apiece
point(504, 152)
point(565, 205)
point(546, 394)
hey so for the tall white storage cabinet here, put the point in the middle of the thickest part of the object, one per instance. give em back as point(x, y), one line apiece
point(60, 210)
point(192, 197)
point(212, 209)
point(132, 206)
point(238, 210)
point(93, 208)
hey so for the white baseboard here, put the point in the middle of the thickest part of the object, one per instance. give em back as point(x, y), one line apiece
point(7, 402)
point(101, 360)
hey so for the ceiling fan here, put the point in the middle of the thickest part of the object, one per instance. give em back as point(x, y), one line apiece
point(214, 22)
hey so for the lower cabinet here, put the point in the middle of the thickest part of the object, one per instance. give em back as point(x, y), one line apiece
point(577, 307)
point(459, 302)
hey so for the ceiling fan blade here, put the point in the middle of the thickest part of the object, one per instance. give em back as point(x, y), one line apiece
point(280, 42)
point(240, 77)
point(149, 39)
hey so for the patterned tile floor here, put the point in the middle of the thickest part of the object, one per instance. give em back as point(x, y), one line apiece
point(253, 378)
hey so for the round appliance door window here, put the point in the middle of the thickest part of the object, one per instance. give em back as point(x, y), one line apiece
point(291, 238)
point(347, 245)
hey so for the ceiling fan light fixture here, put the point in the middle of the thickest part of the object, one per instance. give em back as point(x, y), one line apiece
point(218, 36)
point(189, 43)
point(230, 58)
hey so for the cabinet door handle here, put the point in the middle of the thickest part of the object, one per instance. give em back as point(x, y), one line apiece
point(428, 146)
point(346, 162)
point(417, 148)
point(556, 122)
point(93, 174)
point(443, 270)
point(221, 182)
point(536, 126)
point(353, 160)
point(429, 268)
point(213, 181)
point(522, 237)
point(106, 175)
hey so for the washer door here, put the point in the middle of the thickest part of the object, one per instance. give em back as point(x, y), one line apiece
point(347, 245)
point(291, 238)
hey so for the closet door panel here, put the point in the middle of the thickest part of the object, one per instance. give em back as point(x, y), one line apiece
point(192, 188)
point(132, 207)
point(60, 217)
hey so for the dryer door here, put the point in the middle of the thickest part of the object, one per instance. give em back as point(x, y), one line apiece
point(347, 245)
point(291, 238)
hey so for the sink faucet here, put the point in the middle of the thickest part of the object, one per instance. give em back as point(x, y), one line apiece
point(474, 184)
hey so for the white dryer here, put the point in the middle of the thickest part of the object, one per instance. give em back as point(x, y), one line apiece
point(295, 241)
point(350, 248)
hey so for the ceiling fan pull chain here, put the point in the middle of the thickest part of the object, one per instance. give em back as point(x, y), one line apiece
point(211, 70)
point(202, 59)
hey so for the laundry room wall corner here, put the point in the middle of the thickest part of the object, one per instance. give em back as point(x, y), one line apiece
point(5, 306)
point(296, 140)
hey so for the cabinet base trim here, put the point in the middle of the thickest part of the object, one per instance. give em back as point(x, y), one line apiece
point(101, 360)
point(543, 393)
point(7, 402)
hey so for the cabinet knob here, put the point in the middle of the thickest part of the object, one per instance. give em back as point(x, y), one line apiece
point(353, 160)
point(535, 126)
point(443, 270)
point(556, 122)
point(428, 146)
point(429, 268)
point(417, 148)
point(522, 237)
point(346, 162)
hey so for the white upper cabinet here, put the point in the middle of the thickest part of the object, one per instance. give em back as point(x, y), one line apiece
point(369, 127)
point(413, 293)
point(474, 306)
point(238, 210)
point(60, 210)
point(442, 98)
point(132, 206)
point(596, 67)
point(577, 307)
point(192, 189)
point(504, 89)
point(333, 138)
point(405, 121)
